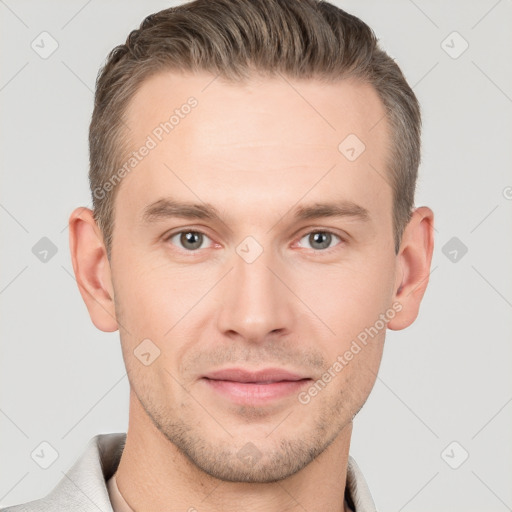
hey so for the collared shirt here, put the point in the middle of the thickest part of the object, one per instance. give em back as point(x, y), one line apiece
point(88, 486)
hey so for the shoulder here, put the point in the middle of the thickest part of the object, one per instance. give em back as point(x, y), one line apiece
point(83, 488)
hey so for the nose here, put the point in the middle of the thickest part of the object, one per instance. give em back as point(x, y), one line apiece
point(256, 302)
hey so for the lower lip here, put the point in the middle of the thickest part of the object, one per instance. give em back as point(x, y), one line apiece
point(251, 393)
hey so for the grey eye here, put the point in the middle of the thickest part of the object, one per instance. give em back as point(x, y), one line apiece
point(319, 240)
point(189, 240)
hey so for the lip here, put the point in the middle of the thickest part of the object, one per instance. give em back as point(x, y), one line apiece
point(255, 388)
point(265, 375)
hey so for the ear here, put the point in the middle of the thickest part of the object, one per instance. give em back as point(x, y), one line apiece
point(92, 268)
point(413, 266)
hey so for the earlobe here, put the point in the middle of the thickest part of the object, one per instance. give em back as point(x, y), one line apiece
point(92, 268)
point(413, 266)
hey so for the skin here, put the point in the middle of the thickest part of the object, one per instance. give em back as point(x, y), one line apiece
point(255, 152)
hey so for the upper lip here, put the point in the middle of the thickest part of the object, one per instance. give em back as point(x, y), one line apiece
point(264, 375)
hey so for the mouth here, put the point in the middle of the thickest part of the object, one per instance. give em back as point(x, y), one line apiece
point(263, 376)
point(254, 387)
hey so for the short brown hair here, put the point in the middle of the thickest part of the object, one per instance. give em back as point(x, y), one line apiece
point(300, 39)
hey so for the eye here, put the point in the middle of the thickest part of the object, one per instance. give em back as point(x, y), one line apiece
point(190, 240)
point(320, 240)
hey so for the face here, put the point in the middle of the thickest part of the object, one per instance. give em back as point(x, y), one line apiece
point(254, 277)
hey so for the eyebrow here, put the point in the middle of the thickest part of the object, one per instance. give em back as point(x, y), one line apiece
point(169, 208)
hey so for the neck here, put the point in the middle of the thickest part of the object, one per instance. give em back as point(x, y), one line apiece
point(154, 475)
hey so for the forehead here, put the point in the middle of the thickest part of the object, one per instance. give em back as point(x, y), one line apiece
point(264, 108)
point(271, 139)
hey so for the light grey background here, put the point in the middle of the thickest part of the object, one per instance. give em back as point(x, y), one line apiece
point(446, 378)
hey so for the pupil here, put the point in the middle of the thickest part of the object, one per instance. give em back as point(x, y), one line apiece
point(188, 238)
point(317, 238)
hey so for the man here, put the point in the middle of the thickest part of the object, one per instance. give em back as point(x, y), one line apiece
point(253, 167)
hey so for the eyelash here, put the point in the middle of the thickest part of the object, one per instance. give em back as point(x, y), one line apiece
point(317, 251)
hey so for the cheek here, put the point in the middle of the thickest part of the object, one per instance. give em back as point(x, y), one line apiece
point(151, 298)
point(348, 297)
